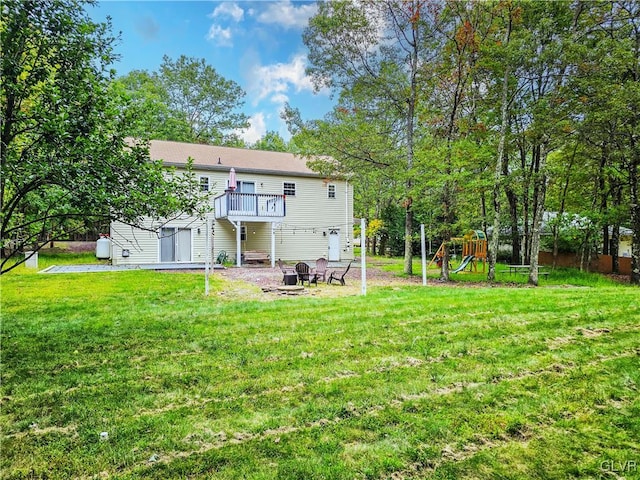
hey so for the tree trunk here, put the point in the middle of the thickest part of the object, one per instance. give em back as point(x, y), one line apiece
point(501, 168)
point(635, 214)
point(540, 189)
point(614, 247)
point(515, 230)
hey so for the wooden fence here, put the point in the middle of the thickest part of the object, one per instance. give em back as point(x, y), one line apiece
point(601, 264)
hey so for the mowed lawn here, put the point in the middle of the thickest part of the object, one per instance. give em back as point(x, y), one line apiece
point(138, 375)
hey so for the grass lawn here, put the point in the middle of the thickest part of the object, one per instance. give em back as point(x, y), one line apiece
point(410, 382)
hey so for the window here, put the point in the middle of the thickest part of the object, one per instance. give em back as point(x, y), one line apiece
point(289, 188)
point(243, 233)
point(331, 191)
point(204, 184)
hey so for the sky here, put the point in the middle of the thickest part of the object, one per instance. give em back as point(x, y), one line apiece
point(257, 44)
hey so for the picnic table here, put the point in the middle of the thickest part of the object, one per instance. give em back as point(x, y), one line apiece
point(523, 270)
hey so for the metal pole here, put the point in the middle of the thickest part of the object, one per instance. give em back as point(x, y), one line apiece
point(424, 255)
point(207, 257)
point(363, 255)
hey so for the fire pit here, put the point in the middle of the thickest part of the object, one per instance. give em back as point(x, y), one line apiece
point(290, 278)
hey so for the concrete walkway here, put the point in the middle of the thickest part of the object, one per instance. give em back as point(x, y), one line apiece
point(89, 268)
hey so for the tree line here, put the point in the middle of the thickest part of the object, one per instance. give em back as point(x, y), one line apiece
point(456, 114)
point(466, 115)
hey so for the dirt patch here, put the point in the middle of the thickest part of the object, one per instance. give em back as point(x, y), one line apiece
point(69, 247)
point(258, 282)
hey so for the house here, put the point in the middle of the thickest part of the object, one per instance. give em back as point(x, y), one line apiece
point(279, 207)
point(625, 240)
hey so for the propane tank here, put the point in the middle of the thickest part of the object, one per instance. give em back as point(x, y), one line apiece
point(103, 247)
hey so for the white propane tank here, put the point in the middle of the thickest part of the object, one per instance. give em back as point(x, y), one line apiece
point(103, 247)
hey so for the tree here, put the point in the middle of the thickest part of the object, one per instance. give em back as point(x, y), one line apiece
point(607, 105)
point(350, 143)
point(376, 49)
point(203, 97)
point(186, 100)
point(153, 118)
point(271, 142)
point(64, 159)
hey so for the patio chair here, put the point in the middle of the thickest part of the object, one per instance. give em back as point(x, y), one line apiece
point(339, 275)
point(287, 272)
point(321, 269)
point(304, 273)
point(222, 257)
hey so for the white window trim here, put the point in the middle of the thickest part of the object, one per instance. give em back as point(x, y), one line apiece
point(295, 189)
point(208, 183)
point(335, 191)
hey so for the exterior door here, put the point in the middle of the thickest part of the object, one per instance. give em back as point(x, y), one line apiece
point(175, 244)
point(167, 242)
point(248, 201)
point(183, 245)
point(334, 245)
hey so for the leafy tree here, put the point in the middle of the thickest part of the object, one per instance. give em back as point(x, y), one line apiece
point(375, 50)
point(350, 143)
point(153, 119)
point(186, 100)
point(204, 97)
point(64, 159)
point(271, 142)
point(606, 106)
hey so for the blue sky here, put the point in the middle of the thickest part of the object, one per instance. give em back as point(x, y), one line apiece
point(257, 44)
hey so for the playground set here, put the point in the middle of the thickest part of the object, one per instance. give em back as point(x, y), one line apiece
point(474, 249)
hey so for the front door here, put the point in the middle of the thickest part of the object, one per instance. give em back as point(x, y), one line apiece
point(334, 245)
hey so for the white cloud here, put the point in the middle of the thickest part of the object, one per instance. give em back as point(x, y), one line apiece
point(279, 98)
point(221, 36)
point(228, 10)
point(257, 129)
point(287, 15)
point(274, 81)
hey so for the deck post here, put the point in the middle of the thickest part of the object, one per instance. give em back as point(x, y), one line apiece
point(273, 245)
point(238, 226)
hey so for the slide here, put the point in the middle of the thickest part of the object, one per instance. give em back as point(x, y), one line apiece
point(465, 261)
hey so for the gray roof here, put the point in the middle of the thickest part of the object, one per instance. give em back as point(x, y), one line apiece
point(211, 157)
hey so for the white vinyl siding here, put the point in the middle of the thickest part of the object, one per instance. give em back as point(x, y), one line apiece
point(300, 237)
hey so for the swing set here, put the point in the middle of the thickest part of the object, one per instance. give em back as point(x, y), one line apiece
point(474, 249)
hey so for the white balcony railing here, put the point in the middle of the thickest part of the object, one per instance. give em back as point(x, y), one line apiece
point(232, 204)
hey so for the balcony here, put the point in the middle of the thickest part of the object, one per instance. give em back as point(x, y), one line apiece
point(250, 207)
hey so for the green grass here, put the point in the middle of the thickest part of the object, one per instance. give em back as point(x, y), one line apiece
point(557, 276)
point(48, 259)
point(418, 383)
